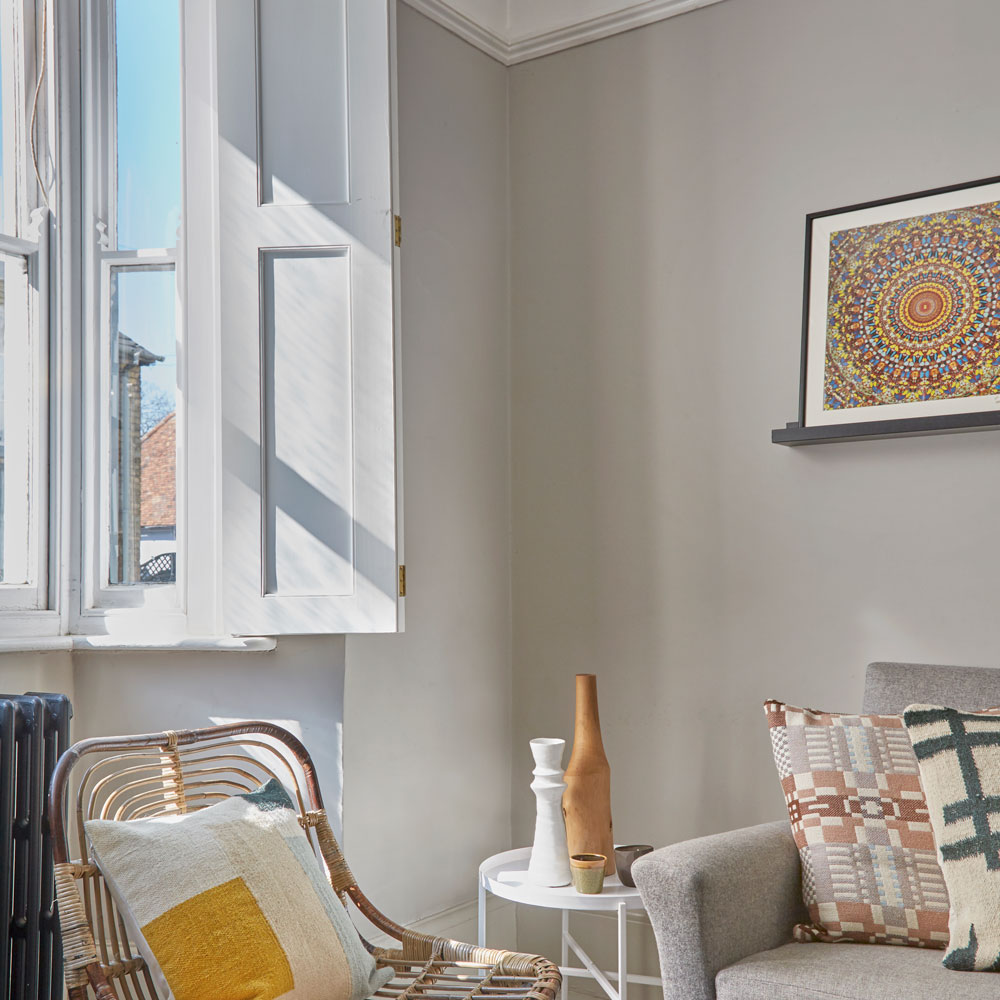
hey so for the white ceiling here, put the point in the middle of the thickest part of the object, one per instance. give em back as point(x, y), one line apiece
point(513, 31)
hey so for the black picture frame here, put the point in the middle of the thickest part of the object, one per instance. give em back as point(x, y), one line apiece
point(893, 420)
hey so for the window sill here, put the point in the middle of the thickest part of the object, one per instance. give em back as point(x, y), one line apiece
point(111, 644)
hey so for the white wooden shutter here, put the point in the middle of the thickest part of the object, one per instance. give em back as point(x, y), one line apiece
point(306, 239)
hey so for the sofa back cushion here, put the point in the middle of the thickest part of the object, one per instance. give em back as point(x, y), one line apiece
point(861, 824)
point(890, 687)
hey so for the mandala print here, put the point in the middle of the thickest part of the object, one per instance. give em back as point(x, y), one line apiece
point(914, 310)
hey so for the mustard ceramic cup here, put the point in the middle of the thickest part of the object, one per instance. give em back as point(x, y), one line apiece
point(587, 871)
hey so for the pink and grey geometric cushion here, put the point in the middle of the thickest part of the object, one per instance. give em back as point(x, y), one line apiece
point(860, 820)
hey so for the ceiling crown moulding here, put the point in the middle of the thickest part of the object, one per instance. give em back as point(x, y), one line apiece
point(465, 27)
point(516, 45)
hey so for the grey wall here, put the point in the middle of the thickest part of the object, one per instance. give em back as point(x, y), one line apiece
point(20, 672)
point(427, 730)
point(299, 686)
point(660, 180)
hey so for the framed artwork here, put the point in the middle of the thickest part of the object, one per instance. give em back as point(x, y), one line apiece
point(901, 316)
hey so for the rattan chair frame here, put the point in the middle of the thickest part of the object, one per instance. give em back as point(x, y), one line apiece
point(131, 777)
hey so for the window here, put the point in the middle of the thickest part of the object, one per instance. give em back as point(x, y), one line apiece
point(23, 318)
point(146, 195)
point(132, 133)
point(202, 440)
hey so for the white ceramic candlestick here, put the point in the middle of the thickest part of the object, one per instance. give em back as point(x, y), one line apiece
point(549, 863)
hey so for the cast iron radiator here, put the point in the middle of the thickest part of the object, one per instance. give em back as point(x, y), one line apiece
point(34, 731)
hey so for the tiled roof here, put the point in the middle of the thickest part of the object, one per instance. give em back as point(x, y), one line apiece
point(159, 474)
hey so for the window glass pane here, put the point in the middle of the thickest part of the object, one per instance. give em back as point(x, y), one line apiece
point(147, 41)
point(15, 428)
point(143, 390)
point(7, 121)
point(4, 115)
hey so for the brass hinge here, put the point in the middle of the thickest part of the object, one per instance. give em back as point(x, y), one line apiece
point(402, 581)
point(397, 230)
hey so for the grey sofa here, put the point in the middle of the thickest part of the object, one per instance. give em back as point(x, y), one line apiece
point(723, 907)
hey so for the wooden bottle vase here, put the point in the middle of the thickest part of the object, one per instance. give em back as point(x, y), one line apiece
point(587, 799)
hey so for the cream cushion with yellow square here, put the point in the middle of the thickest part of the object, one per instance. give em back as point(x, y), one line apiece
point(230, 903)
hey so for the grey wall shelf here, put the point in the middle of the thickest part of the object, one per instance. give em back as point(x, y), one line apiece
point(795, 434)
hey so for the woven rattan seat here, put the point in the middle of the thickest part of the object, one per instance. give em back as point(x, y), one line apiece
point(131, 777)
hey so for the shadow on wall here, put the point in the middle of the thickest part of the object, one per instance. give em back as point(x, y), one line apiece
point(299, 685)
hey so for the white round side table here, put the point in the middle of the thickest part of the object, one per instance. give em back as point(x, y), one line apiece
point(506, 875)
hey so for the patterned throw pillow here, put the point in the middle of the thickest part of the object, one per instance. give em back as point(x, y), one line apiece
point(861, 824)
point(959, 757)
point(230, 903)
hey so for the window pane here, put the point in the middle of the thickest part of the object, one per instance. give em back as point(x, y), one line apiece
point(5, 113)
point(8, 120)
point(15, 427)
point(147, 41)
point(143, 389)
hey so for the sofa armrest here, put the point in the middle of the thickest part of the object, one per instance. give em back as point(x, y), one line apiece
point(715, 900)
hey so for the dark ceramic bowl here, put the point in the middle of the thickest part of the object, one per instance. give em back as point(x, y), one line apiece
point(624, 856)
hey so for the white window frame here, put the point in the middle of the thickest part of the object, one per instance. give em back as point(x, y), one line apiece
point(26, 606)
point(103, 607)
point(199, 365)
point(30, 399)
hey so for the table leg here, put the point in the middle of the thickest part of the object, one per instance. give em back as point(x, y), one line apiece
point(622, 952)
point(565, 953)
point(482, 913)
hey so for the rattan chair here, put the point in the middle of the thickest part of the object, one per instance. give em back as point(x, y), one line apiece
point(131, 777)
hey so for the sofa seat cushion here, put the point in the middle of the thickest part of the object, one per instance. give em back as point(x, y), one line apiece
point(850, 972)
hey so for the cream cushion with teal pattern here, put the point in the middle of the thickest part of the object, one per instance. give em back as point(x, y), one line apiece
point(959, 757)
point(230, 903)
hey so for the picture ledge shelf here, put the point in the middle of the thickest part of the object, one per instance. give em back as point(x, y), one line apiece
point(795, 434)
point(111, 644)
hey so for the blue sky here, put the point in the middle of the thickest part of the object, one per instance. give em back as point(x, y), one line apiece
point(149, 180)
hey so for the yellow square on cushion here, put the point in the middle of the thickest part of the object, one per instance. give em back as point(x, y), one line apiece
point(220, 936)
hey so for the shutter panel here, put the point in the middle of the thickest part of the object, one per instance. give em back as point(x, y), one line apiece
point(306, 298)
